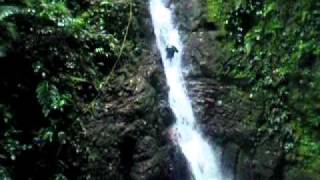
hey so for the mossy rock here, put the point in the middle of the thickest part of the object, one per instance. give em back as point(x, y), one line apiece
point(301, 174)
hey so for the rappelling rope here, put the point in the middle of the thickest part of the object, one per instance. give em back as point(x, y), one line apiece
point(123, 43)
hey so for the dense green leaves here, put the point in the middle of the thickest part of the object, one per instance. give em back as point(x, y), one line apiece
point(54, 58)
point(274, 47)
point(6, 11)
point(50, 98)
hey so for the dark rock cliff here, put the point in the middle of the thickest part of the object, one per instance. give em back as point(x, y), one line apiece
point(129, 140)
point(227, 117)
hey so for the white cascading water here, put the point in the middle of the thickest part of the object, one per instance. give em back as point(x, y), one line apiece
point(201, 158)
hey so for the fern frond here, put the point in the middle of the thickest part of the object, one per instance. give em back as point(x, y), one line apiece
point(6, 11)
point(50, 98)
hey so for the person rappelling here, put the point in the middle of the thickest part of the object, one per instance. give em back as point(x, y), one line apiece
point(170, 52)
point(174, 136)
point(168, 3)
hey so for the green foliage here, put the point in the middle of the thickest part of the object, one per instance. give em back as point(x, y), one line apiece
point(6, 11)
point(274, 48)
point(4, 174)
point(54, 58)
point(60, 177)
point(50, 98)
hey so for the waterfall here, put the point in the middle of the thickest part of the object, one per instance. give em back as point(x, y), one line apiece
point(200, 155)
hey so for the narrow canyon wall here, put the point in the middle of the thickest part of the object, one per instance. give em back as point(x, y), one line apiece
point(228, 118)
point(129, 138)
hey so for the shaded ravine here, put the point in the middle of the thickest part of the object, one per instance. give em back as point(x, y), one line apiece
point(202, 160)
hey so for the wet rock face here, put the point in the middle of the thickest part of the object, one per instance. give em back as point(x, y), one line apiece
point(128, 141)
point(228, 118)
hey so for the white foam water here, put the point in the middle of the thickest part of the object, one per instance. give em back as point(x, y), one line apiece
point(200, 155)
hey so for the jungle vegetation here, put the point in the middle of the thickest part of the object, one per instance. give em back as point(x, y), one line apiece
point(274, 53)
point(56, 57)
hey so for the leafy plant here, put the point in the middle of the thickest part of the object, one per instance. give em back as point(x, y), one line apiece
point(50, 98)
point(273, 48)
point(55, 57)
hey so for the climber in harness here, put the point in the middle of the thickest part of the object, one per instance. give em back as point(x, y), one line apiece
point(168, 3)
point(174, 136)
point(170, 52)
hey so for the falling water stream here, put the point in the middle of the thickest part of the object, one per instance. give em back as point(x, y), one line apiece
point(198, 152)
